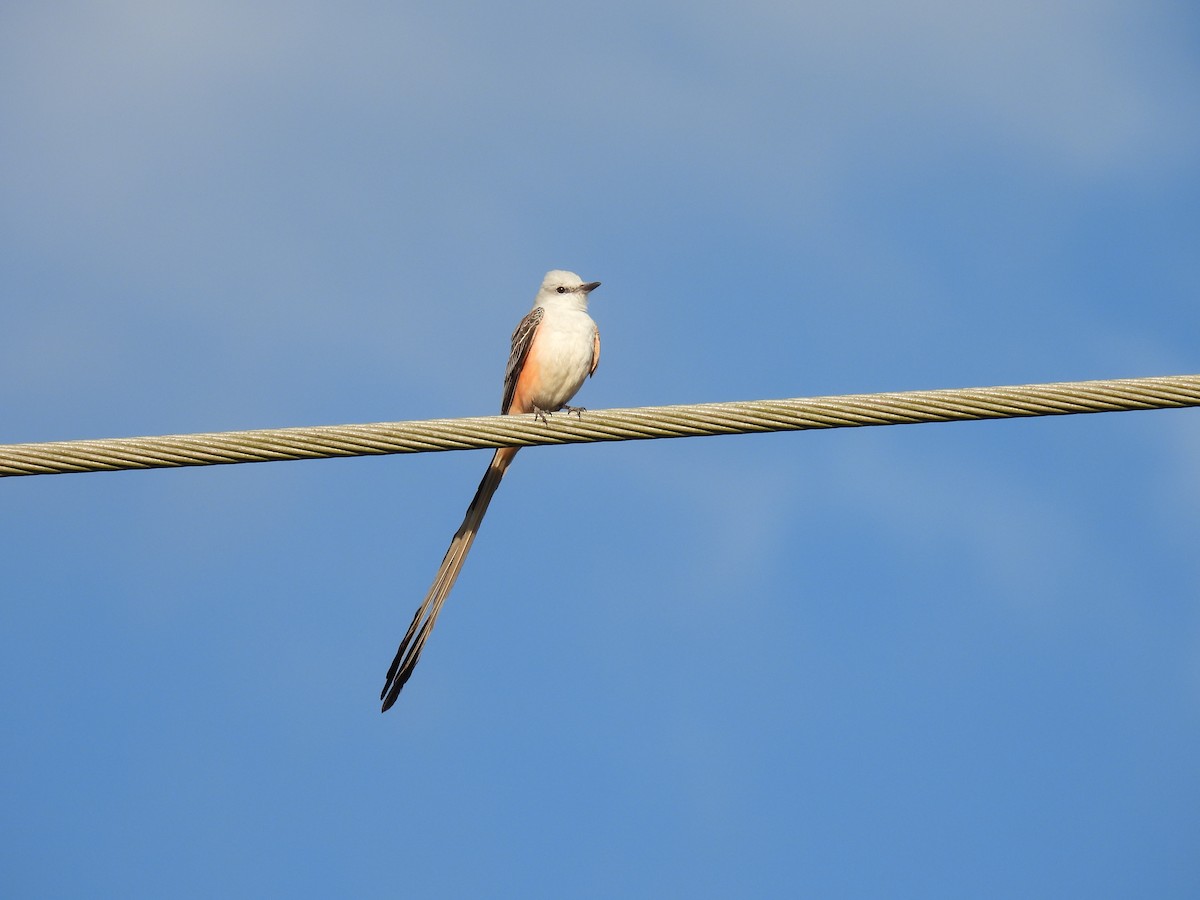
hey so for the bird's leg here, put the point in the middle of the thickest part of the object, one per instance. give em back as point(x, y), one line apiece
point(539, 413)
point(578, 410)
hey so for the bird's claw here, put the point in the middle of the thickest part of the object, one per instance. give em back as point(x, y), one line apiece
point(578, 410)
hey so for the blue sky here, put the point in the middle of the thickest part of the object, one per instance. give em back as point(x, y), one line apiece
point(954, 660)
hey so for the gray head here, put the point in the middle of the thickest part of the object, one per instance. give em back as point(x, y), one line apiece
point(561, 285)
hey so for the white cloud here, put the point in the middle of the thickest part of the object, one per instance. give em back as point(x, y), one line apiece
point(104, 97)
point(1087, 88)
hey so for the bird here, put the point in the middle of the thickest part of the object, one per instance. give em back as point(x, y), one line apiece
point(555, 348)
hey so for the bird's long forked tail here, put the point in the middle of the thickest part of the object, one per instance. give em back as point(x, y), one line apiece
point(422, 624)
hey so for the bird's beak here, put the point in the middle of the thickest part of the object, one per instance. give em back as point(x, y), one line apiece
point(589, 286)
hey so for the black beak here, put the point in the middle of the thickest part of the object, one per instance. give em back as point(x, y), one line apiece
point(589, 286)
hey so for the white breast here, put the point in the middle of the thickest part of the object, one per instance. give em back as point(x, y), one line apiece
point(564, 346)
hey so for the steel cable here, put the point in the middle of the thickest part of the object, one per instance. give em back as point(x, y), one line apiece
point(644, 423)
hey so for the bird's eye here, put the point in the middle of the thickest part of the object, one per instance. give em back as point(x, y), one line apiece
point(562, 290)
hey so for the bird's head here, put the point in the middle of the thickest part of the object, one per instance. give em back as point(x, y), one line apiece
point(559, 285)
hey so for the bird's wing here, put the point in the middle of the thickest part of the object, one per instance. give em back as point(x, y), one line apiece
point(522, 340)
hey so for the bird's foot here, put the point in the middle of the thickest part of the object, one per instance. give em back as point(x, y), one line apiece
point(578, 410)
point(541, 414)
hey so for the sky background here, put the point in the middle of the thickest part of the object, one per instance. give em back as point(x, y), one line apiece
point(936, 661)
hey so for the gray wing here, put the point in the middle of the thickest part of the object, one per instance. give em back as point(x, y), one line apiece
point(522, 340)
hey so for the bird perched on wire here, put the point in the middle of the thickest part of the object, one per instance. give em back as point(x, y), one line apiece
point(554, 350)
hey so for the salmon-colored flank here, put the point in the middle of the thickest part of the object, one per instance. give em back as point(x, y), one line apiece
point(529, 382)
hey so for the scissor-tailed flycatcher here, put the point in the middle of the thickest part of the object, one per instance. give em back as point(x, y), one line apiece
point(554, 349)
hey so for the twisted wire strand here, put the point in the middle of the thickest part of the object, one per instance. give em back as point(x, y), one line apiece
point(643, 423)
